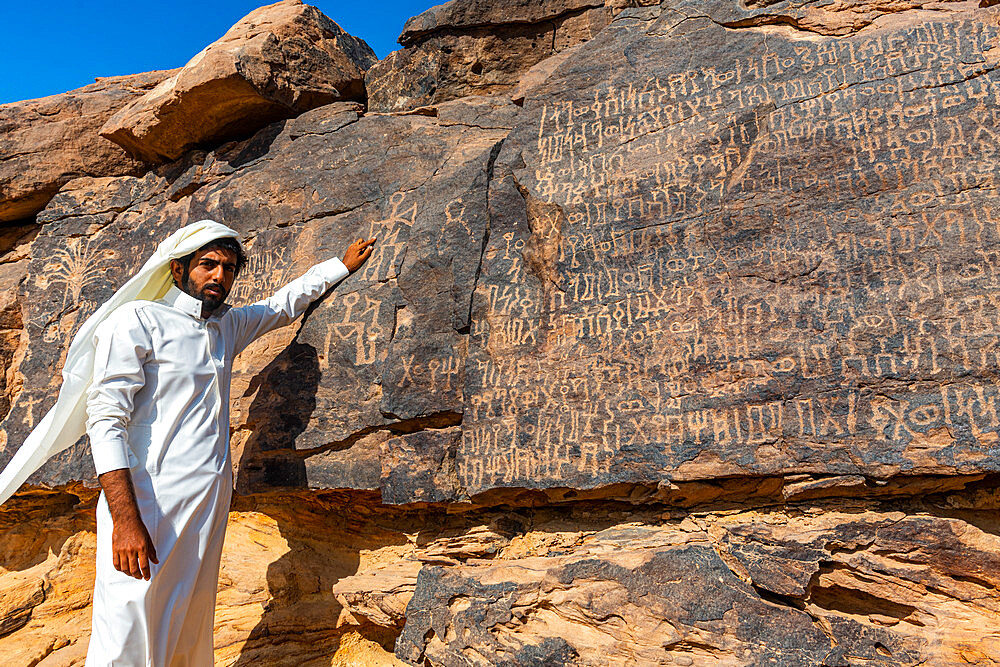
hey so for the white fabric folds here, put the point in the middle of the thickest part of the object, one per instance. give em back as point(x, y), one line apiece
point(65, 422)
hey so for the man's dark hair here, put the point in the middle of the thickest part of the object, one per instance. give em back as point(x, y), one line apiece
point(225, 243)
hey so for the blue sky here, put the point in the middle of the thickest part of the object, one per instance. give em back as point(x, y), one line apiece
point(49, 47)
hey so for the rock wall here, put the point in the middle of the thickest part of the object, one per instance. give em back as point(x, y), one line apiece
point(678, 344)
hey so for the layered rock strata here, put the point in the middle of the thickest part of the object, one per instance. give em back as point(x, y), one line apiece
point(338, 578)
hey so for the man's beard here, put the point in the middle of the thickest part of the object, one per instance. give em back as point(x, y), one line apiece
point(210, 301)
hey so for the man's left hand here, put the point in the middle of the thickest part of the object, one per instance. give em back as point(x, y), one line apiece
point(357, 253)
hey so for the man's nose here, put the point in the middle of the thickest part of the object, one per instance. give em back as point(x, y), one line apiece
point(218, 273)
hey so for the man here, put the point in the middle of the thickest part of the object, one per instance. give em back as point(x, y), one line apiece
point(158, 421)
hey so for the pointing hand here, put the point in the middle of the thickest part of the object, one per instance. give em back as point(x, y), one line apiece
point(357, 253)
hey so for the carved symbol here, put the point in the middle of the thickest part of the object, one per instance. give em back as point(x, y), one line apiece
point(29, 417)
point(265, 271)
point(388, 247)
point(455, 212)
point(75, 267)
point(365, 335)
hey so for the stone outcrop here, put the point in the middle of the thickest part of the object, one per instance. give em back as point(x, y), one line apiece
point(475, 47)
point(357, 366)
point(678, 346)
point(47, 142)
point(754, 588)
point(337, 577)
point(729, 269)
point(277, 62)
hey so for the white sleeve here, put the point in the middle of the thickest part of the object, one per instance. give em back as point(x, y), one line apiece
point(287, 303)
point(122, 346)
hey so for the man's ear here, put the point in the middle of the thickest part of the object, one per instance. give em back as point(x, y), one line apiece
point(176, 270)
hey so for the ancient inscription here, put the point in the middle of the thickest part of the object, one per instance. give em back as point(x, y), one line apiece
point(783, 259)
point(267, 270)
point(392, 233)
point(359, 326)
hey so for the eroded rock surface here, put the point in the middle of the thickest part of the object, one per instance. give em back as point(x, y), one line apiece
point(276, 62)
point(471, 47)
point(386, 352)
point(776, 258)
point(46, 142)
point(753, 588)
point(336, 577)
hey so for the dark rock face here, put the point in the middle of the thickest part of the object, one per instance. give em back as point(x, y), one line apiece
point(775, 261)
point(465, 14)
point(421, 466)
point(470, 47)
point(387, 350)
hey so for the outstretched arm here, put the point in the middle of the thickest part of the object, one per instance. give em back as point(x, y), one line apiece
point(292, 300)
point(122, 346)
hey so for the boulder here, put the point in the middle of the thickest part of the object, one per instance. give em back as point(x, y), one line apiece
point(276, 62)
point(472, 47)
point(46, 142)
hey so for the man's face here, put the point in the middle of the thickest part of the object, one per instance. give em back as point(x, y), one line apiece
point(209, 277)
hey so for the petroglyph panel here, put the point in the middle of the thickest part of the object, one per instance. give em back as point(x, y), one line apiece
point(387, 345)
point(777, 257)
point(77, 262)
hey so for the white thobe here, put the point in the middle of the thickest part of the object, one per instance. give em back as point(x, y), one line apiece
point(159, 406)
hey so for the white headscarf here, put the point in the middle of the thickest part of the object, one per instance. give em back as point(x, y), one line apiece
point(65, 422)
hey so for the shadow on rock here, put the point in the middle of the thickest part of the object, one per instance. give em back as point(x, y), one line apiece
point(36, 523)
point(309, 539)
point(284, 402)
point(323, 538)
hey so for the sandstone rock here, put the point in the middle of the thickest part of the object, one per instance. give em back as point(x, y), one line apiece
point(275, 606)
point(15, 244)
point(471, 47)
point(18, 603)
point(335, 578)
point(44, 143)
point(752, 589)
point(380, 596)
point(276, 62)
